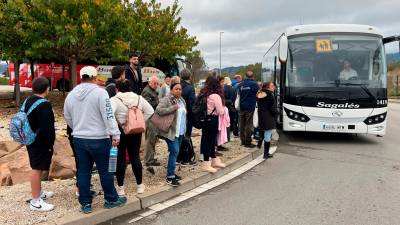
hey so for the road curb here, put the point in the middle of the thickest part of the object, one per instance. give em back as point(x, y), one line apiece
point(162, 194)
point(103, 215)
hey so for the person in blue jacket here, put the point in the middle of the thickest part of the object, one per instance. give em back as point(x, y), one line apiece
point(247, 91)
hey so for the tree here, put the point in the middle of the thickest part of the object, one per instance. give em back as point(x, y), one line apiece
point(156, 32)
point(256, 68)
point(77, 30)
point(14, 41)
point(199, 68)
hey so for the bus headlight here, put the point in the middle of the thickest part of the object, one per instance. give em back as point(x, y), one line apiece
point(375, 119)
point(296, 116)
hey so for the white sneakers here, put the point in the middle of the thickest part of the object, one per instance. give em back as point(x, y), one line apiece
point(40, 205)
point(46, 194)
point(140, 188)
point(120, 190)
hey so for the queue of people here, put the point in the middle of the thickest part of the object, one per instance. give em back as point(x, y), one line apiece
point(97, 117)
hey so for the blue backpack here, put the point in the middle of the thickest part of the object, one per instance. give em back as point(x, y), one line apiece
point(20, 130)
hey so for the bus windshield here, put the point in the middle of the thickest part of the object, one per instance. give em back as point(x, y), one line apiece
point(336, 60)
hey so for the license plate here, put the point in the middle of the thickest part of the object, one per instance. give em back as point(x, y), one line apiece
point(333, 127)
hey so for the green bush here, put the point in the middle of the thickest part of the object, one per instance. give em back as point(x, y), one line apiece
point(4, 81)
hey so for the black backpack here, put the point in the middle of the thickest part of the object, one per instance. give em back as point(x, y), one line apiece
point(186, 152)
point(199, 112)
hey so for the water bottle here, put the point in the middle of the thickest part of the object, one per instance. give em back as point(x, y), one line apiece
point(112, 161)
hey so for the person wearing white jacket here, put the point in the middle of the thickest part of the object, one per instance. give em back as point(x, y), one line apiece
point(131, 142)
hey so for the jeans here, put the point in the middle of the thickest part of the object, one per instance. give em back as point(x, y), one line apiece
point(246, 126)
point(267, 135)
point(130, 143)
point(89, 151)
point(209, 138)
point(173, 148)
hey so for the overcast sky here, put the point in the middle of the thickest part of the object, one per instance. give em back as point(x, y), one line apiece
point(251, 26)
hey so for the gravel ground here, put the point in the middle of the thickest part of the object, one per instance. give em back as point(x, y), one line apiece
point(15, 209)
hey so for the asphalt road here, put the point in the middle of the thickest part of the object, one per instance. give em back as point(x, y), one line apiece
point(313, 179)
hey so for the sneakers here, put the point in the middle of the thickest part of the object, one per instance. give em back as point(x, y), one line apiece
point(172, 182)
point(120, 202)
point(40, 205)
point(46, 194)
point(86, 208)
point(120, 190)
point(140, 189)
point(178, 177)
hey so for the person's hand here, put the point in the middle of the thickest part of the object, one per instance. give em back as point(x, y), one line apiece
point(115, 142)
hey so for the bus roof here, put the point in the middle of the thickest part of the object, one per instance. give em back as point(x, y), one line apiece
point(331, 28)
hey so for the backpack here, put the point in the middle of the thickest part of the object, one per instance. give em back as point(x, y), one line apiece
point(199, 111)
point(20, 130)
point(186, 152)
point(135, 120)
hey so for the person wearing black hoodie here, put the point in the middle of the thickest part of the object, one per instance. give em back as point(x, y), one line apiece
point(40, 152)
point(267, 113)
point(117, 73)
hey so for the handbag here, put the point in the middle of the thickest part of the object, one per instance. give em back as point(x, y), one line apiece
point(237, 102)
point(162, 123)
point(255, 117)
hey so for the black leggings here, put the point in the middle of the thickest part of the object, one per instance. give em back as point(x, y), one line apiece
point(130, 142)
point(209, 138)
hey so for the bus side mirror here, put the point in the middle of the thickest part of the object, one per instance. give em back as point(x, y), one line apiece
point(283, 49)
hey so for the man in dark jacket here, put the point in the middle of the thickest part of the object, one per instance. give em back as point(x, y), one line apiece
point(134, 74)
point(117, 73)
point(189, 95)
point(150, 92)
point(247, 91)
point(40, 152)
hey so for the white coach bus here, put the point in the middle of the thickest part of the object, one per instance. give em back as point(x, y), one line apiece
point(330, 78)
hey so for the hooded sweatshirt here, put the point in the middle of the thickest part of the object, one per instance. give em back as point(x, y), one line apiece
point(122, 100)
point(87, 110)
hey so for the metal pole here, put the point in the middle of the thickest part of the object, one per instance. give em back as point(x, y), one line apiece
point(220, 52)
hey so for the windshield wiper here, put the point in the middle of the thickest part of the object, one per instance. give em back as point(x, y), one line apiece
point(314, 94)
point(362, 86)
